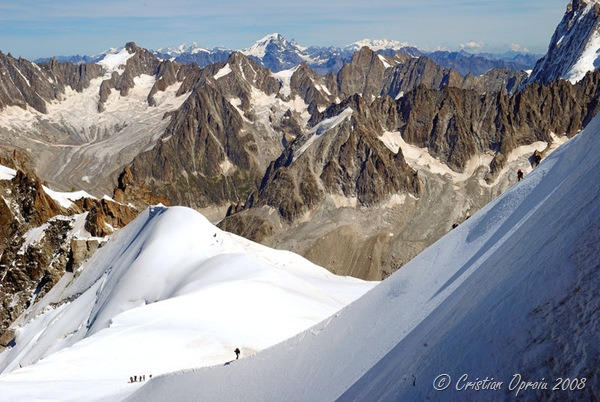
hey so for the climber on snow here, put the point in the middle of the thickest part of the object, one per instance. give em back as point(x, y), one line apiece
point(237, 353)
point(519, 175)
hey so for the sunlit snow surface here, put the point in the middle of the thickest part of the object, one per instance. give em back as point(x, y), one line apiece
point(170, 291)
point(114, 61)
point(512, 290)
point(7, 173)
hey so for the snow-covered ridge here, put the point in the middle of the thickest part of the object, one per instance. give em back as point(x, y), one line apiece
point(378, 44)
point(193, 48)
point(169, 291)
point(508, 291)
point(66, 199)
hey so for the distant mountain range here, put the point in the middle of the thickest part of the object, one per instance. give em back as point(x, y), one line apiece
point(277, 54)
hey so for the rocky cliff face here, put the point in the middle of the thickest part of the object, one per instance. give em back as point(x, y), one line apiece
point(218, 143)
point(390, 177)
point(42, 238)
point(373, 75)
point(456, 124)
point(347, 161)
point(573, 49)
point(23, 83)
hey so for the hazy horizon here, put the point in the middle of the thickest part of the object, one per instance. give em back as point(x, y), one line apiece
point(45, 28)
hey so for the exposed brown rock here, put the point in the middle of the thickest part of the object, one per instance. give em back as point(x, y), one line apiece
point(104, 215)
point(30, 268)
point(81, 251)
point(349, 160)
point(455, 124)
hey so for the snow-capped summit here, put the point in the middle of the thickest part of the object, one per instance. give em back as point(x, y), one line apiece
point(575, 46)
point(259, 48)
point(193, 48)
point(277, 53)
point(378, 44)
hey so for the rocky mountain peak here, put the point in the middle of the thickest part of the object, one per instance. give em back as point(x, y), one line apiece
point(131, 47)
point(271, 42)
point(362, 75)
point(574, 47)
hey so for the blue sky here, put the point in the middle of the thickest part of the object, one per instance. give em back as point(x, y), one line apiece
point(36, 28)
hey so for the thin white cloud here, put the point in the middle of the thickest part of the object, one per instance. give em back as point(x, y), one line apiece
point(472, 45)
point(518, 48)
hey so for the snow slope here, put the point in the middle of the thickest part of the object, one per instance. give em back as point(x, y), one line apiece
point(115, 60)
point(514, 289)
point(169, 291)
point(7, 173)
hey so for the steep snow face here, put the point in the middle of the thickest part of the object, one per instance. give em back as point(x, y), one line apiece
point(222, 72)
point(114, 61)
point(511, 290)
point(575, 46)
point(285, 77)
point(259, 48)
point(169, 291)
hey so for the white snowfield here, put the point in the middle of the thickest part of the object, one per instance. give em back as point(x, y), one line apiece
point(66, 199)
point(113, 61)
point(7, 173)
point(512, 290)
point(169, 291)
